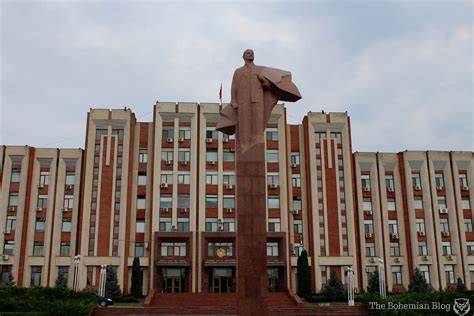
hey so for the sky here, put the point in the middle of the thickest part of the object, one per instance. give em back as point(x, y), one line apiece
point(403, 70)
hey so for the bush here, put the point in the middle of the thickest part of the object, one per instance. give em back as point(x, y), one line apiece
point(334, 290)
point(461, 287)
point(374, 281)
point(304, 276)
point(419, 283)
point(137, 279)
point(112, 289)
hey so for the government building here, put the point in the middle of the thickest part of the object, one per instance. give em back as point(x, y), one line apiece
point(164, 191)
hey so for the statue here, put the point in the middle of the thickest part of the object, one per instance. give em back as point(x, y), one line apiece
point(255, 91)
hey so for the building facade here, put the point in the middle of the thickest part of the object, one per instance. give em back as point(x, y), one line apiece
point(164, 191)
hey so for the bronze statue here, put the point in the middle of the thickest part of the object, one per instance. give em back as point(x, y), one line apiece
point(255, 91)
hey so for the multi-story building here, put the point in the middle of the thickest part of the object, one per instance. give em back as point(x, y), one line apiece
point(164, 191)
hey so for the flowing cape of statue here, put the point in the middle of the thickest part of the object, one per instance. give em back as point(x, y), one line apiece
point(281, 87)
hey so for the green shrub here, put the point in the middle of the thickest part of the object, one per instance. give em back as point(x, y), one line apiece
point(304, 275)
point(334, 290)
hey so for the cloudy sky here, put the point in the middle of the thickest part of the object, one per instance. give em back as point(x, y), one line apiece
point(402, 69)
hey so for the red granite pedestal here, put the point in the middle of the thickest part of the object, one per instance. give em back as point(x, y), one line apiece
point(252, 280)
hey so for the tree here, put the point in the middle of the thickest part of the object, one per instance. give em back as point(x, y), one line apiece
point(137, 279)
point(334, 290)
point(461, 287)
point(374, 281)
point(11, 280)
point(112, 289)
point(419, 283)
point(304, 275)
point(61, 281)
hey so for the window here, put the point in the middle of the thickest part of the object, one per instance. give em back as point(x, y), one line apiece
point(297, 205)
point(64, 249)
point(272, 249)
point(298, 226)
point(397, 274)
point(229, 179)
point(465, 203)
point(42, 202)
point(35, 276)
point(296, 180)
point(295, 159)
point(273, 178)
point(389, 181)
point(139, 249)
point(444, 225)
point(418, 202)
point(166, 177)
point(442, 202)
point(272, 156)
point(68, 202)
point(13, 199)
point(211, 201)
point(143, 155)
point(420, 225)
point(70, 178)
point(140, 226)
point(446, 248)
point(184, 155)
point(168, 132)
point(211, 178)
point(167, 154)
point(40, 224)
point(391, 205)
point(11, 223)
point(273, 224)
point(229, 202)
point(183, 178)
point(229, 224)
point(274, 202)
point(393, 226)
point(229, 155)
point(365, 178)
point(173, 249)
point(44, 178)
point(165, 224)
point(211, 156)
point(66, 225)
point(394, 249)
point(468, 224)
point(183, 224)
point(272, 133)
point(423, 248)
point(471, 272)
point(142, 179)
point(38, 248)
point(463, 180)
point(185, 132)
point(8, 247)
point(425, 272)
point(416, 179)
point(368, 226)
point(439, 180)
point(141, 203)
point(213, 247)
point(166, 201)
point(370, 249)
point(118, 132)
point(211, 133)
point(183, 201)
point(470, 248)
point(211, 224)
point(367, 202)
point(449, 273)
point(15, 176)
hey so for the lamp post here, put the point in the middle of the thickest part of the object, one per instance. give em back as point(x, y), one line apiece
point(77, 261)
point(382, 287)
point(350, 289)
point(102, 279)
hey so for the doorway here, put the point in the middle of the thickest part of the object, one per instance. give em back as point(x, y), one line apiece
point(172, 280)
point(221, 280)
point(273, 279)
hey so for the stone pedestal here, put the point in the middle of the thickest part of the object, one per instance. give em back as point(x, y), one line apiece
point(252, 282)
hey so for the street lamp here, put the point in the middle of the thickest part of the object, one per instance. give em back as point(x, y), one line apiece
point(103, 270)
point(77, 260)
point(350, 289)
point(382, 287)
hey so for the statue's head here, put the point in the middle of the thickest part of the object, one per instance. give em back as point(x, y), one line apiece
point(248, 55)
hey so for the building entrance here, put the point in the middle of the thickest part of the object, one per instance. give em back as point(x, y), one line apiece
point(273, 279)
point(172, 280)
point(221, 280)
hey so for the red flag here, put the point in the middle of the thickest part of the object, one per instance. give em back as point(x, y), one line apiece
point(220, 94)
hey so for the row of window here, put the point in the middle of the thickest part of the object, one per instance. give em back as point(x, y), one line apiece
point(416, 181)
